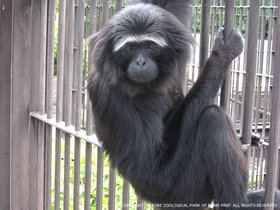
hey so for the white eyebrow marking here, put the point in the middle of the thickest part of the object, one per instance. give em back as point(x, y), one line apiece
point(139, 38)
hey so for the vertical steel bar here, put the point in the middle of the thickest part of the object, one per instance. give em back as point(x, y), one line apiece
point(236, 106)
point(20, 103)
point(265, 168)
point(39, 29)
point(99, 19)
point(140, 204)
point(85, 54)
point(66, 171)
point(42, 69)
point(41, 162)
point(251, 71)
point(204, 33)
point(244, 57)
point(79, 38)
point(93, 14)
point(69, 45)
point(260, 172)
point(88, 174)
point(48, 167)
point(221, 14)
point(118, 5)
point(229, 22)
point(112, 188)
point(49, 103)
point(105, 11)
point(57, 169)
point(272, 172)
point(77, 173)
point(50, 58)
point(68, 69)
point(60, 60)
point(268, 94)
point(100, 159)
point(5, 94)
point(277, 3)
point(78, 65)
point(34, 104)
point(59, 101)
point(260, 89)
point(99, 187)
point(268, 68)
point(213, 20)
point(193, 65)
point(41, 98)
point(49, 96)
point(125, 195)
point(253, 169)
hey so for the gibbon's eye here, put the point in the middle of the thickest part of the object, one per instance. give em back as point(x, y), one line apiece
point(151, 46)
point(127, 47)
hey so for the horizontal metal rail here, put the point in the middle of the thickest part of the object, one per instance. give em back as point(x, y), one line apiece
point(67, 129)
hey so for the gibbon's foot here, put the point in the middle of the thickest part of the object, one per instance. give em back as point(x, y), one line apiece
point(235, 43)
point(256, 141)
point(219, 41)
point(232, 48)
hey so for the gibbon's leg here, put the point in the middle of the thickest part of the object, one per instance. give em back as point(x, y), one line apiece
point(257, 197)
point(223, 158)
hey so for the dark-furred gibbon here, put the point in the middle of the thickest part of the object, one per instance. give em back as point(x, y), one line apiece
point(176, 151)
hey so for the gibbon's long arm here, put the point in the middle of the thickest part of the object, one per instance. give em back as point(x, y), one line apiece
point(205, 89)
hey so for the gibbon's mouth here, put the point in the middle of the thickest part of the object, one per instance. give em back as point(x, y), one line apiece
point(142, 76)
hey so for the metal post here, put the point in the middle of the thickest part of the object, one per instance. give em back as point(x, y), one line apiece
point(49, 104)
point(119, 5)
point(251, 68)
point(61, 49)
point(78, 69)
point(125, 195)
point(275, 121)
point(105, 11)
point(19, 103)
point(5, 94)
point(204, 33)
point(89, 122)
point(37, 100)
point(229, 22)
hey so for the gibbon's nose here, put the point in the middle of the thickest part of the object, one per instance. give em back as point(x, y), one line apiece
point(140, 61)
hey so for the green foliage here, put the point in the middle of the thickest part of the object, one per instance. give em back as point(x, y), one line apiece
point(105, 200)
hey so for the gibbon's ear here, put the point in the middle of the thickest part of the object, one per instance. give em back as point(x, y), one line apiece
point(99, 41)
point(92, 40)
point(100, 49)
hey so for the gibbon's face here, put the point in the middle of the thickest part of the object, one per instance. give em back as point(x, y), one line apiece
point(142, 46)
point(141, 57)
